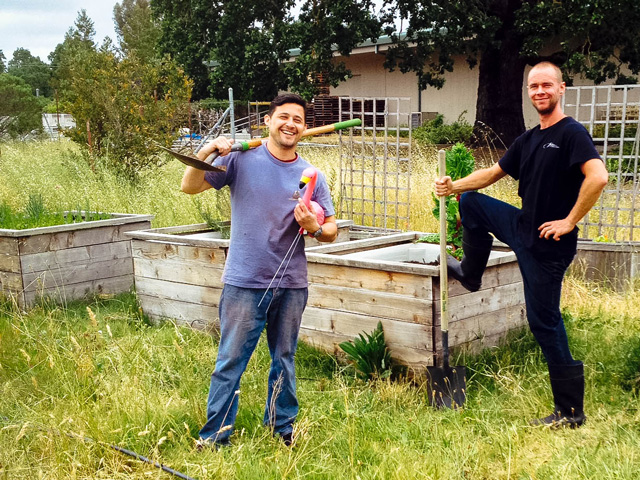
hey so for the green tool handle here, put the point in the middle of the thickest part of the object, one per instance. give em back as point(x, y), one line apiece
point(309, 132)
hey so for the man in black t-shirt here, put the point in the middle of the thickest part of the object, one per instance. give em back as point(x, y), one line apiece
point(561, 176)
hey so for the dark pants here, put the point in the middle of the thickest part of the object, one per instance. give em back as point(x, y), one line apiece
point(542, 277)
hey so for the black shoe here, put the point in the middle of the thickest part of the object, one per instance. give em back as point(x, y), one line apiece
point(454, 269)
point(567, 385)
point(477, 248)
point(287, 438)
point(556, 420)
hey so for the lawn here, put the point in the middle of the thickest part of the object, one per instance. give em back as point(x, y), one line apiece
point(76, 379)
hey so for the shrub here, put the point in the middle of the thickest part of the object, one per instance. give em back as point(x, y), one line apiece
point(436, 131)
point(20, 110)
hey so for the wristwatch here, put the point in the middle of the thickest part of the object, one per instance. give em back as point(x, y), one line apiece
point(317, 233)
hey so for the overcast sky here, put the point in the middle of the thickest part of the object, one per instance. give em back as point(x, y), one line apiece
point(40, 25)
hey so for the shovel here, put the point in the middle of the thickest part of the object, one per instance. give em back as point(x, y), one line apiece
point(207, 164)
point(446, 385)
point(193, 161)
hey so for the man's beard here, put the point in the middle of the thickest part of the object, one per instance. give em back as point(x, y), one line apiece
point(546, 110)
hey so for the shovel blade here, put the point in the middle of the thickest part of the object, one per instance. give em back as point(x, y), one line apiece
point(193, 161)
point(447, 386)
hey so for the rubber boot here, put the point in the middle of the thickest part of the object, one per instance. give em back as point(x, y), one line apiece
point(567, 385)
point(468, 272)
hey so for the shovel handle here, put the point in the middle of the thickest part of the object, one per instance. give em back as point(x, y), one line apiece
point(444, 293)
point(309, 132)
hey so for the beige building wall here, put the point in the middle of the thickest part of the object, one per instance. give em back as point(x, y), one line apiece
point(458, 96)
point(371, 79)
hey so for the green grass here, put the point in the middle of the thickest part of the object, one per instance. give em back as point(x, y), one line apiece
point(58, 172)
point(103, 372)
point(68, 372)
point(35, 214)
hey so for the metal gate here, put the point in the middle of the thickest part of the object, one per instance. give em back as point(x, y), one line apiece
point(610, 113)
point(375, 166)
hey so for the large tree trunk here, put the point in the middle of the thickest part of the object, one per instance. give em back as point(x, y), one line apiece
point(499, 103)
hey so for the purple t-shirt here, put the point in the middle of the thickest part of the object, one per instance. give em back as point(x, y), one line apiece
point(262, 223)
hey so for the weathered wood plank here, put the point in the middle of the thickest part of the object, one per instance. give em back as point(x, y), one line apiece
point(366, 244)
point(75, 291)
point(56, 259)
point(9, 263)
point(76, 238)
point(178, 291)
point(477, 303)
point(178, 271)
point(368, 302)
point(476, 346)
point(370, 279)
point(68, 275)
point(156, 251)
point(613, 266)
point(8, 246)
point(183, 313)
point(489, 324)
point(505, 274)
point(417, 269)
point(414, 358)
point(117, 219)
point(350, 325)
point(11, 282)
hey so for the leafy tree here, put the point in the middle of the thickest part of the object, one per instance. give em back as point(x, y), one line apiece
point(251, 42)
point(593, 38)
point(2, 65)
point(32, 70)
point(127, 103)
point(78, 44)
point(20, 110)
point(136, 30)
point(188, 28)
point(325, 26)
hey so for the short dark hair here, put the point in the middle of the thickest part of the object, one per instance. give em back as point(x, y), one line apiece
point(287, 98)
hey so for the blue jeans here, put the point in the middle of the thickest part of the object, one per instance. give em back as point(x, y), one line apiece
point(542, 277)
point(241, 323)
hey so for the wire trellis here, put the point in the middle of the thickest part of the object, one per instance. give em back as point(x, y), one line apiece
point(375, 167)
point(611, 113)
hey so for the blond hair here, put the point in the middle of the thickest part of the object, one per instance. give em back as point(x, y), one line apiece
point(553, 66)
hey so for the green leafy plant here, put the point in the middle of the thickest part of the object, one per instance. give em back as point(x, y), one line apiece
point(460, 163)
point(369, 354)
point(436, 131)
point(35, 214)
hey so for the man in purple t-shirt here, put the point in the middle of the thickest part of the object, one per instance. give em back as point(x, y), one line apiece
point(264, 224)
point(561, 176)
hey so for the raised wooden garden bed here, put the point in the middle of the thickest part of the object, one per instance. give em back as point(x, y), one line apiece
point(396, 281)
point(352, 286)
point(612, 265)
point(178, 271)
point(67, 262)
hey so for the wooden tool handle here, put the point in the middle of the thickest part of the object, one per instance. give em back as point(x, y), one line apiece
point(444, 294)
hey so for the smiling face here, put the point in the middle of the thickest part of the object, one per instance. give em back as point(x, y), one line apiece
point(545, 87)
point(286, 125)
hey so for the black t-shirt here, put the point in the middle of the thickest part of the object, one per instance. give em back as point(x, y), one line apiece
point(547, 164)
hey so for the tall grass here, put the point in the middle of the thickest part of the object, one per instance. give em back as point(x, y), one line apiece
point(58, 172)
point(103, 372)
point(98, 370)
